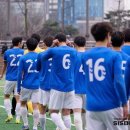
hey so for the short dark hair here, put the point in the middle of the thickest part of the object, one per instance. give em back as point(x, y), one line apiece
point(80, 41)
point(31, 44)
point(16, 41)
point(48, 41)
point(61, 37)
point(36, 36)
point(101, 30)
point(127, 35)
point(117, 39)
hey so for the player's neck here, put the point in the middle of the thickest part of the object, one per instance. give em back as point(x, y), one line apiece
point(81, 49)
point(31, 51)
point(101, 44)
point(16, 47)
point(62, 44)
point(127, 43)
point(117, 48)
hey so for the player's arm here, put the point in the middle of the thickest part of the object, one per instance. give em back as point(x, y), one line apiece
point(127, 78)
point(48, 54)
point(39, 62)
point(20, 74)
point(4, 66)
point(119, 85)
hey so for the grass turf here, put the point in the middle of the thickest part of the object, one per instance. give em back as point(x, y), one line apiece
point(12, 125)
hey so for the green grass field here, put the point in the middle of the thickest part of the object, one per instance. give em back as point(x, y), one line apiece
point(12, 125)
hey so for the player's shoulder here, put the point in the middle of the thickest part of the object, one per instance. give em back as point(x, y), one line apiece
point(128, 61)
point(39, 50)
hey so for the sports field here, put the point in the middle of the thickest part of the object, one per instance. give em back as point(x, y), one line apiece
point(12, 125)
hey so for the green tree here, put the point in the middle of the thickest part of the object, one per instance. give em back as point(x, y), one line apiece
point(119, 19)
point(52, 28)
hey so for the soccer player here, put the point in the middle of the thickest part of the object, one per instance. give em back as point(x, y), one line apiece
point(38, 38)
point(44, 67)
point(106, 92)
point(117, 42)
point(29, 77)
point(80, 86)
point(126, 46)
point(62, 81)
point(11, 63)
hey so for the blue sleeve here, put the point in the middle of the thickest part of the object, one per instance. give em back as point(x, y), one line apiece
point(39, 62)
point(119, 84)
point(20, 74)
point(48, 54)
point(127, 78)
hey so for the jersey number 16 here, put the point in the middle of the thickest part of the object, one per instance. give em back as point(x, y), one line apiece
point(96, 70)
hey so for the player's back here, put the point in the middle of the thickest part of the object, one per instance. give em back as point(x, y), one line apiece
point(126, 49)
point(80, 77)
point(11, 57)
point(44, 67)
point(28, 63)
point(124, 61)
point(63, 64)
point(104, 79)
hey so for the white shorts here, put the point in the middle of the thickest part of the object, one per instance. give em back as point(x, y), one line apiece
point(80, 101)
point(10, 87)
point(29, 94)
point(105, 120)
point(44, 97)
point(60, 100)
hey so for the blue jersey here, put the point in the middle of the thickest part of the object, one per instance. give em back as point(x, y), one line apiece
point(44, 67)
point(124, 60)
point(27, 72)
point(127, 77)
point(11, 58)
point(126, 49)
point(80, 78)
point(105, 85)
point(63, 65)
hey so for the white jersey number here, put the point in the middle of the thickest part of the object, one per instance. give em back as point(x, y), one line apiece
point(12, 63)
point(81, 70)
point(94, 72)
point(66, 61)
point(123, 67)
point(30, 70)
point(50, 64)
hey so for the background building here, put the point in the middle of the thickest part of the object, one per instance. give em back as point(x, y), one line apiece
point(76, 10)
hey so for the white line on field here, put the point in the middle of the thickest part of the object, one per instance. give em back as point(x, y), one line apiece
point(31, 115)
point(2, 106)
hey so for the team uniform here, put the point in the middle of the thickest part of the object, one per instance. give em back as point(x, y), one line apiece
point(106, 92)
point(11, 57)
point(126, 49)
point(29, 79)
point(80, 84)
point(127, 76)
point(38, 50)
point(62, 79)
point(44, 67)
point(124, 61)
